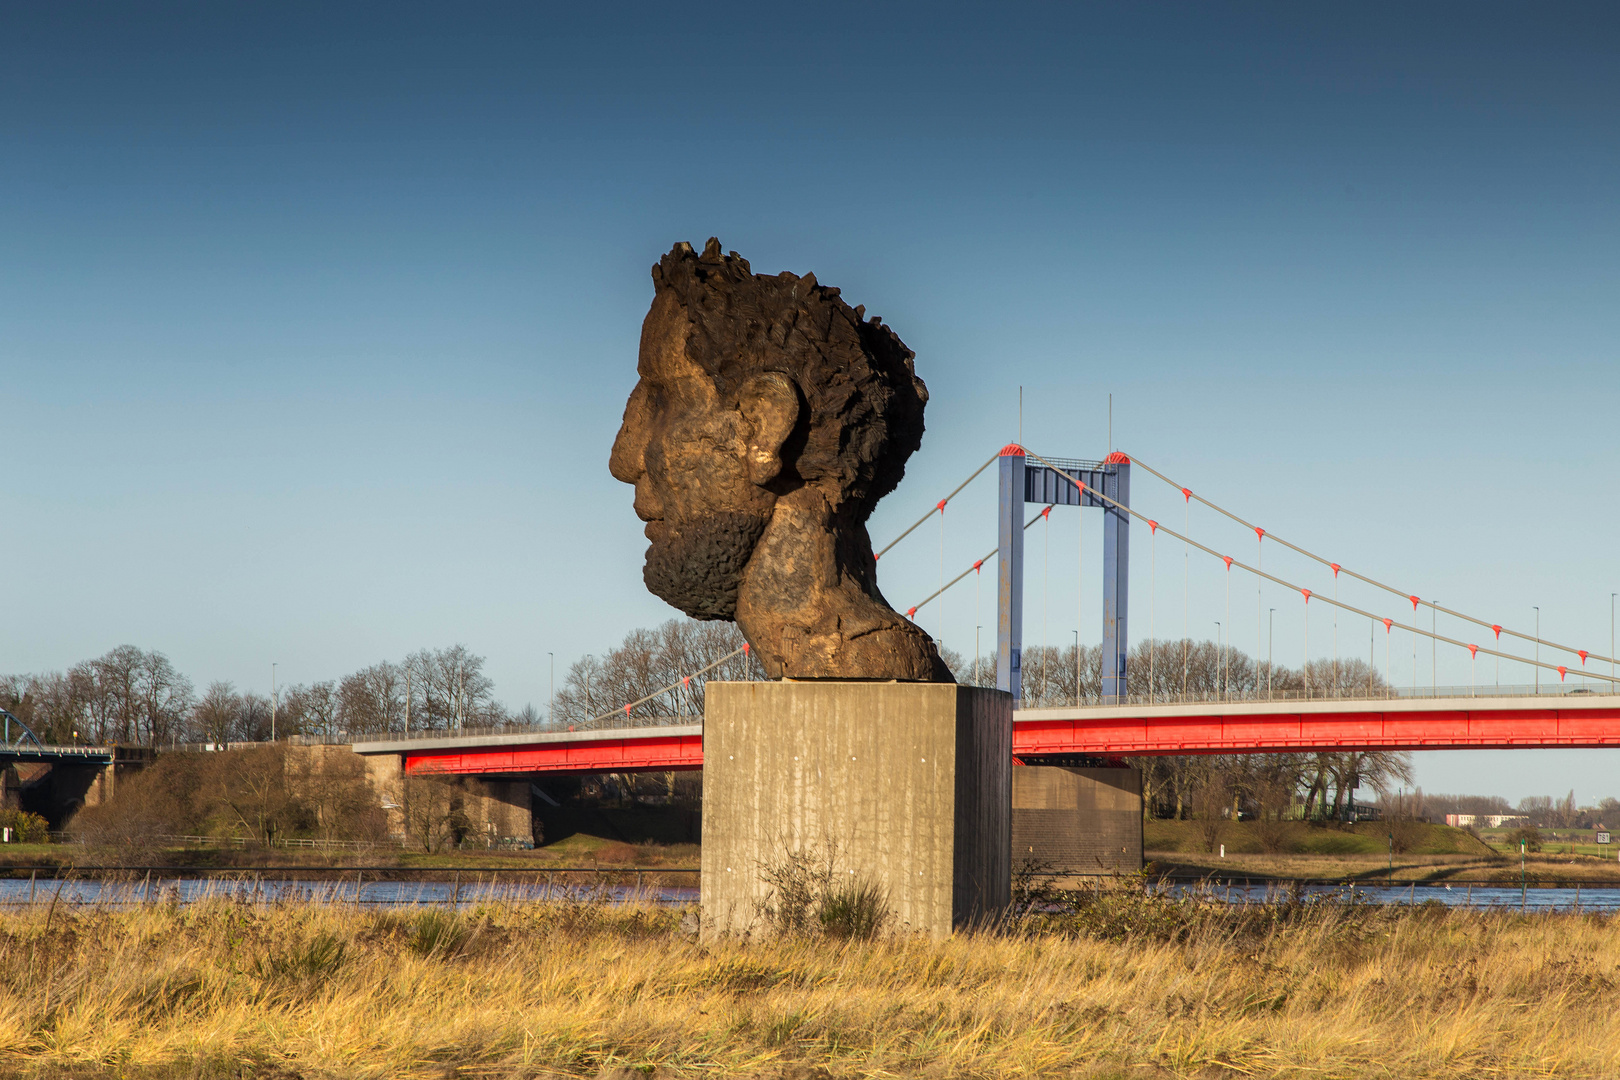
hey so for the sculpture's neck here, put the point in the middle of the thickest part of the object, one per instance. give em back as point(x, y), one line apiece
point(807, 607)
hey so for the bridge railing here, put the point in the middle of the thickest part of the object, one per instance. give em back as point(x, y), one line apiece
point(54, 750)
point(1399, 693)
point(509, 729)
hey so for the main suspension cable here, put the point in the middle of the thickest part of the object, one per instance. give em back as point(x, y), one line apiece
point(939, 507)
point(1499, 630)
point(1098, 495)
point(976, 565)
point(685, 680)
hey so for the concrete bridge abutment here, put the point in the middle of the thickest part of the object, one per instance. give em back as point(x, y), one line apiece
point(436, 808)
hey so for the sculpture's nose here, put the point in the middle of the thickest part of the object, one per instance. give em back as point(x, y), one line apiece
point(627, 462)
point(624, 463)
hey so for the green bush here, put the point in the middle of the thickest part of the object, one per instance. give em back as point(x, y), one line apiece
point(26, 828)
point(1529, 836)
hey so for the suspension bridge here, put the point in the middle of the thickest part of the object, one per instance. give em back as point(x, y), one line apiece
point(1165, 714)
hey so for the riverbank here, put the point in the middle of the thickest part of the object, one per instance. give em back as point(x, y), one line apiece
point(1455, 870)
point(1434, 853)
point(1123, 986)
point(579, 851)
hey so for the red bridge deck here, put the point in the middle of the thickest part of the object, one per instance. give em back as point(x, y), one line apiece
point(1571, 721)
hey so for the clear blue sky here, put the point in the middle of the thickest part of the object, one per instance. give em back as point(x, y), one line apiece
point(316, 321)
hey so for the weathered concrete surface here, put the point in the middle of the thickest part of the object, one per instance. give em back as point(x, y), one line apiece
point(386, 775)
point(449, 809)
point(500, 809)
point(1076, 820)
point(904, 784)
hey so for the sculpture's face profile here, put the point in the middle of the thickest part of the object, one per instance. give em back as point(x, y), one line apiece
point(768, 419)
point(699, 465)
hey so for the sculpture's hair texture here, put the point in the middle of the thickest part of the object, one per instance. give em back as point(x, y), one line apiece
point(863, 414)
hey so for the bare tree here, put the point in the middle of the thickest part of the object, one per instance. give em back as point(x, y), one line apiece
point(216, 716)
point(449, 689)
point(1212, 802)
point(100, 704)
point(331, 784)
point(308, 710)
point(1273, 794)
point(119, 672)
point(597, 688)
point(433, 811)
point(253, 785)
point(372, 701)
point(164, 698)
point(253, 721)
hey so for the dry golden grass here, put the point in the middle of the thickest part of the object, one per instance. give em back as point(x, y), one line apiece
point(1126, 987)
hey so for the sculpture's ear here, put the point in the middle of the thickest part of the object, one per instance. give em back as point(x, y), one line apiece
point(770, 404)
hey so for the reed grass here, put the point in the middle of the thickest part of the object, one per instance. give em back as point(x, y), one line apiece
point(1123, 985)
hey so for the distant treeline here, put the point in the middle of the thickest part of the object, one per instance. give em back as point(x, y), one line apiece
point(135, 696)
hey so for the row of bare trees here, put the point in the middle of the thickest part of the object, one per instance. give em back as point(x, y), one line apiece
point(129, 695)
point(262, 793)
point(1172, 671)
point(1315, 785)
point(1264, 787)
point(1541, 811)
point(674, 654)
point(135, 696)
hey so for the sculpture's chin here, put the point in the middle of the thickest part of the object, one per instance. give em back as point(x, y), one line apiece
point(697, 566)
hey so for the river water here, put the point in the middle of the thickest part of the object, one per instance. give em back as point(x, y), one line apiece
point(185, 890)
point(1583, 899)
point(19, 892)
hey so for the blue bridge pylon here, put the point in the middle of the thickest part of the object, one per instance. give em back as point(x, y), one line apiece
point(1023, 482)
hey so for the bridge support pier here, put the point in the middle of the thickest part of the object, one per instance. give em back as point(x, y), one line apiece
point(386, 775)
point(436, 808)
point(1069, 820)
point(901, 786)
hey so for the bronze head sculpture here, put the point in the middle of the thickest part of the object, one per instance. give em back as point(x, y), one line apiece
point(769, 420)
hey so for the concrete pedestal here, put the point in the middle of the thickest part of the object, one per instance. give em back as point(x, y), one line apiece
point(904, 785)
point(1076, 821)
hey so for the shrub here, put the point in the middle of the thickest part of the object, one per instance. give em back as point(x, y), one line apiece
point(1405, 834)
point(25, 828)
point(856, 910)
point(809, 896)
point(1529, 836)
point(617, 853)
